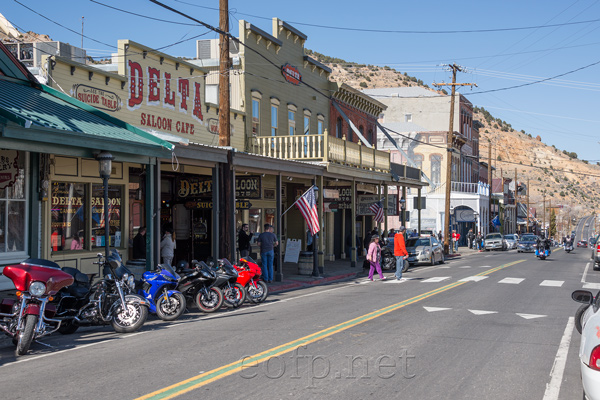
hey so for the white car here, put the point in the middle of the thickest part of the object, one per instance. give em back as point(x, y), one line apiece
point(587, 320)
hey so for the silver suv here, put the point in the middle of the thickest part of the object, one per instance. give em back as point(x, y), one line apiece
point(494, 241)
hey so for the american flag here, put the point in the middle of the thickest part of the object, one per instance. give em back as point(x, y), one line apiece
point(308, 207)
point(377, 209)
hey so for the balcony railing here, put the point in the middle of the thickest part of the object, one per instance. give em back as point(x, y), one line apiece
point(459, 187)
point(321, 148)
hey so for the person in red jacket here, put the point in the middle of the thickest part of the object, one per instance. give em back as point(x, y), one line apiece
point(400, 252)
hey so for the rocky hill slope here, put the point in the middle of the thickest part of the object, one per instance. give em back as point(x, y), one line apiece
point(558, 174)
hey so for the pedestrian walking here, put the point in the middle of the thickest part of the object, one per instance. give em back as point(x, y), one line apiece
point(267, 242)
point(479, 241)
point(167, 246)
point(440, 236)
point(455, 236)
point(244, 237)
point(374, 257)
point(400, 252)
point(139, 244)
point(470, 238)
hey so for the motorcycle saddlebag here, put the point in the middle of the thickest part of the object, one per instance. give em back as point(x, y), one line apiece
point(6, 306)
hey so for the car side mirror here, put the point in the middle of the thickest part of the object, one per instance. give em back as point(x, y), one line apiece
point(582, 296)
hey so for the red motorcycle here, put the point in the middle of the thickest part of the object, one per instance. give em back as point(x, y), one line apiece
point(29, 316)
point(249, 276)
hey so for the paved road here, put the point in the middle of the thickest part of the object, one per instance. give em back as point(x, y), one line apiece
point(492, 325)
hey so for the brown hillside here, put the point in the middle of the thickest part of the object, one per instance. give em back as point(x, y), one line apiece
point(549, 170)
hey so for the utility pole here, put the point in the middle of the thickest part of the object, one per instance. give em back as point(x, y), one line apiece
point(489, 183)
point(516, 202)
point(449, 148)
point(82, 34)
point(227, 203)
point(527, 205)
point(544, 215)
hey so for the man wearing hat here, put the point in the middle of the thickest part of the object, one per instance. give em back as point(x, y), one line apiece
point(400, 252)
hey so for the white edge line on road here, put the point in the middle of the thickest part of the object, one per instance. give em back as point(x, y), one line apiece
point(558, 368)
point(587, 266)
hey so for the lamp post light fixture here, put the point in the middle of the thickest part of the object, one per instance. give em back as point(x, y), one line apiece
point(402, 211)
point(105, 169)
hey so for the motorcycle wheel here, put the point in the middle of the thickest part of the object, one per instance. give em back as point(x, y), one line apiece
point(259, 293)
point(210, 303)
point(406, 266)
point(130, 320)
point(26, 336)
point(172, 308)
point(579, 316)
point(67, 328)
point(234, 296)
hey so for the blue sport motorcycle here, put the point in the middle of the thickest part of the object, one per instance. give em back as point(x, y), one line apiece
point(158, 288)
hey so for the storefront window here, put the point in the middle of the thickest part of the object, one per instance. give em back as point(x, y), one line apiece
point(114, 212)
point(68, 216)
point(13, 201)
point(255, 220)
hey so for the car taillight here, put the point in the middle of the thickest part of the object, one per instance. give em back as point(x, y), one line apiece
point(598, 249)
point(595, 359)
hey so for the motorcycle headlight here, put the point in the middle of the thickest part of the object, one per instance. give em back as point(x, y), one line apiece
point(131, 281)
point(37, 288)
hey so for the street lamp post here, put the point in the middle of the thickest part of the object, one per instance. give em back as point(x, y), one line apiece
point(402, 211)
point(105, 169)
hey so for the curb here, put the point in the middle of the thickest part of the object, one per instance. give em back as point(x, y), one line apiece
point(315, 282)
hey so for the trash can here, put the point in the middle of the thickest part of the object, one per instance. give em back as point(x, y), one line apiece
point(137, 267)
point(305, 263)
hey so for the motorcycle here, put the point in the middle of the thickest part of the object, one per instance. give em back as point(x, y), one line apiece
point(234, 294)
point(109, 301)
point(542, 251)
point(569, 246)
point(250, 278)
point(30, 316)
point(158, 287)
point(197, 285)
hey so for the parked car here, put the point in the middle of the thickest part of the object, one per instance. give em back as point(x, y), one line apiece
point(587, 319)
point(494, 241)
point(596, 252)
point(512, 241)
point(527, 244)
point(424, 250)
point(582, 243)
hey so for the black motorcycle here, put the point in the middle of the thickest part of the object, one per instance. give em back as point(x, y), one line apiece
point(234, 294)
point(388, 260)
point(198, 285)
point(109, 301)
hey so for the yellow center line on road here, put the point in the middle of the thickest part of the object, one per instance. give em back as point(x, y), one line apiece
point(205, 378)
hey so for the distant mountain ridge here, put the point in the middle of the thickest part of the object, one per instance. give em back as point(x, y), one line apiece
point(559, 174)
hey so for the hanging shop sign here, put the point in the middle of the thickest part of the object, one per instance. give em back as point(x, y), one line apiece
point(364, 201)
point(341, 195)
point(9, 168)
point(291, 74)
point(207, 205)
point(101, 99)
point(246, 187)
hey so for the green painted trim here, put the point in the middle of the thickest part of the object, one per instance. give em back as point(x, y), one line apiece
point(107, 117)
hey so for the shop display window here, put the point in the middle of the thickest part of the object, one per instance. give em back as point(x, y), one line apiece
point(71, 207)
point(13, 202)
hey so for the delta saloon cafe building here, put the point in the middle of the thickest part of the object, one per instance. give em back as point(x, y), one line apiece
point(51, 193)
point(174, 100)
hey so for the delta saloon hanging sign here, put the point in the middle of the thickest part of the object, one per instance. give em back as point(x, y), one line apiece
point(291, 74)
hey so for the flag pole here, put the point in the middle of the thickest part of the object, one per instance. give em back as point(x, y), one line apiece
point(311, 188)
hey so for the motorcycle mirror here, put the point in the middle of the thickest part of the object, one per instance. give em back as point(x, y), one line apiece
point(582, 296)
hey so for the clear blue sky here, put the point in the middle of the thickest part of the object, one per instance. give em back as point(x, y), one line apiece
point(563, 111)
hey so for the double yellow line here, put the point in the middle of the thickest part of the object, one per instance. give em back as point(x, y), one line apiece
point(205, 378)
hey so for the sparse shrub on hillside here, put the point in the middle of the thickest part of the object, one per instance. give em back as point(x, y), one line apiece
point(364, 85)
point(367, 79)
point(499, 158)
point(585, 161)
point(386, 68)
point(446, 93)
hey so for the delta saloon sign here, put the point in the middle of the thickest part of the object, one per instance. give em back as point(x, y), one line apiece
point(291, 74)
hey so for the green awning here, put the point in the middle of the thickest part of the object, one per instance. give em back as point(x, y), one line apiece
point(49, 116)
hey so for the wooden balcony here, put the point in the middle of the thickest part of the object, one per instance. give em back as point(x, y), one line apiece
point(323, 148)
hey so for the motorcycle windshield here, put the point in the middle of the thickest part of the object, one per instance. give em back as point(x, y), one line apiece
point(228, 268)
point(121, 270)
point(170, 270)
point(249, 259)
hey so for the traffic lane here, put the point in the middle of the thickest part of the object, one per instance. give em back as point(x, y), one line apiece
point(110, 352)
point(450, 354)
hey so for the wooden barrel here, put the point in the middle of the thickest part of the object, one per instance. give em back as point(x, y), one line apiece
point(305, 263)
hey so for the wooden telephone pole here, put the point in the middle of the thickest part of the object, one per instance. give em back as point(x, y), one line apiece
point(225, 175)
point(489, 183)
point(449, 148)
point(527, 205)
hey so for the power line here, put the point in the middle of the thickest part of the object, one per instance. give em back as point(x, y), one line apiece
point(405, 31)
